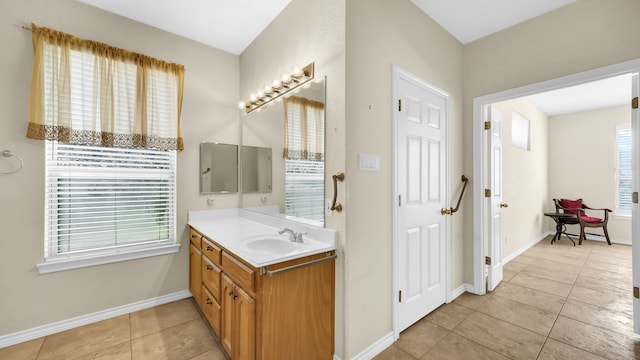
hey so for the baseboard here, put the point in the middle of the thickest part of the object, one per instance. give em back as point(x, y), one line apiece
point(58, 326)
point(375, 348)
point(460, 290)
point(526, 247)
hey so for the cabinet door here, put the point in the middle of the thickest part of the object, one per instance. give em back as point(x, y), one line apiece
point(195, 274)
point(226, 329)
point(244, 322)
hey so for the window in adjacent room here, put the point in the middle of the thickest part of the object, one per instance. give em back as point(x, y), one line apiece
point(110, 121)
point(304, 159)
point(520, 131)
point(623, 170)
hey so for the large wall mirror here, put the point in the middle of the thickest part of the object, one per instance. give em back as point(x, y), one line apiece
point(294, 128)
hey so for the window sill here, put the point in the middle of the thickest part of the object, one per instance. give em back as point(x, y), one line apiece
point(86, 261)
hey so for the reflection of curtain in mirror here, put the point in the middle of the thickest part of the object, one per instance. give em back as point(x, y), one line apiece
point(304, 159)
point(303, 129)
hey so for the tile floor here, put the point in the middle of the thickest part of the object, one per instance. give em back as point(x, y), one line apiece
point(556, 302)
point(173, 331)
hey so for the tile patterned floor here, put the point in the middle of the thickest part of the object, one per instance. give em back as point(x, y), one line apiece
point(174, 331)
point(556, 302)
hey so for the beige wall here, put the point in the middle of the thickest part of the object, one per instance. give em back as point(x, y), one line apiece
point(380, 34)
point(589, 173)
point(585, 35)
point(209, 113)
point(524, 177)
point(309, 31)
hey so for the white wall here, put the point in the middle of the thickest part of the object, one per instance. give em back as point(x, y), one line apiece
point(587, 170)
point(209, 112)
point(584, 35)
point(525, 177)
point(380, 34)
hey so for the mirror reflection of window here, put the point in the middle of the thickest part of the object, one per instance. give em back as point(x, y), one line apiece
point(304, 158)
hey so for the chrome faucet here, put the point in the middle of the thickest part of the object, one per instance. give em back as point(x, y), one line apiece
point(294, 236)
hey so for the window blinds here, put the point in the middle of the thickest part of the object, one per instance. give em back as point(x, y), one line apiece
point(105, 199)
point(623, 169)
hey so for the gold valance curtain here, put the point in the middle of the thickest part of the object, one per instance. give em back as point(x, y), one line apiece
point(303, 129)
point(89, 93)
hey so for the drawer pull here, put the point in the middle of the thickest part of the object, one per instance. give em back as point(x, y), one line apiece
point(208, 301)
point(209, 248)
point(209, 267)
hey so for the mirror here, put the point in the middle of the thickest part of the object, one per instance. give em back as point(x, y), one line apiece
point(218, 168)
point(256, 169)
point(298, 173)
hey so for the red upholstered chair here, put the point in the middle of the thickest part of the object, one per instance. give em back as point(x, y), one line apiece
point(579, 208)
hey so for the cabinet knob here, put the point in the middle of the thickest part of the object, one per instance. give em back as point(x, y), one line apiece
point(208, 301)
point(209, 248)
point(209, 267)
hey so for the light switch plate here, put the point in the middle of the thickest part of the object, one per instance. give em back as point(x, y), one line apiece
point(369, 162)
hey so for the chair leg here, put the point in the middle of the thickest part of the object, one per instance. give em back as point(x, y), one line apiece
point(582, 235)
point(606, 235)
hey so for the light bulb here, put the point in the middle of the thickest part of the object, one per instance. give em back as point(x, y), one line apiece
point(276, 84)
point(297, 71)
point(286, 78)
point(260, 94)
point(267, 89)
point(241, 105)
point(253, 97)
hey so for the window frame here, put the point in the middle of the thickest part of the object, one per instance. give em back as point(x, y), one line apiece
point(89, 257)
point(618, 211)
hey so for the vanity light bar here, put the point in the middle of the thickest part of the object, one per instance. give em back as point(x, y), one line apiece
point(278, 88)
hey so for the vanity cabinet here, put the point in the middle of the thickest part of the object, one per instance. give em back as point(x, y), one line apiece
point(280, 311)
point(195, 275)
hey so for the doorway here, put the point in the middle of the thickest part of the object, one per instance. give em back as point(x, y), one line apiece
point(483, 234)
point(421, 235)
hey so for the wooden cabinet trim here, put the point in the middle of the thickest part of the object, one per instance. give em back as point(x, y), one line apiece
point(211, 277)
point(243, 275)
point(211, 250)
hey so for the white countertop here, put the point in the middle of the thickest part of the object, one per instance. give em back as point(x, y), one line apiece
point(232, 228)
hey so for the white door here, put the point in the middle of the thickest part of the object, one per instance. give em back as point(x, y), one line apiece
point(421, 120)
point(495, 204)
point(635, 216)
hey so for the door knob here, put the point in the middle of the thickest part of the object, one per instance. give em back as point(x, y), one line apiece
point(444, 211)
point(504, 205)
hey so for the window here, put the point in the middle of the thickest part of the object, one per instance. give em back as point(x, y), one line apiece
point(623, 170)
point(304, 159)
point(110, 121)
point(520, 131)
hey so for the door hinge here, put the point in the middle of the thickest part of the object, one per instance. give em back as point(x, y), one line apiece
point(399, 104)
point(399, 200)
point(400, 296)
point(487, 192)
point(634, 197)
point(634, 103)
point(487, 125)
point(636, 292)
point(487, 260)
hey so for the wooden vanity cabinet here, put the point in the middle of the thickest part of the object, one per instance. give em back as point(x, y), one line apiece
point(195, 260)
point(282, 311)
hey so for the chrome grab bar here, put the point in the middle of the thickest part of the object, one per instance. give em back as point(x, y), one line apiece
point(451, 211)
point(265, 270)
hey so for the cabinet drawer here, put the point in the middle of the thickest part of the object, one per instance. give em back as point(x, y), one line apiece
point(195, 238)
point(211, 277)
point(211, 250)
point(239, 272)
point(211, 310)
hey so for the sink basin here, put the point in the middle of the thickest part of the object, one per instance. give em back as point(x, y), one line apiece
point(270, 244)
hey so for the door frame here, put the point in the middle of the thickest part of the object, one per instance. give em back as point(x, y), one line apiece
point(398, 72)
point(480, 218)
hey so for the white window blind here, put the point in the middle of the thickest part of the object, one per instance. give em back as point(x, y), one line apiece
point(304, 189)
point(623, 169)
point(101, 200)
